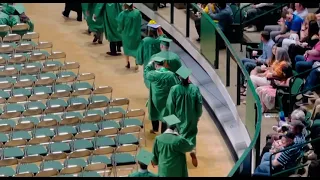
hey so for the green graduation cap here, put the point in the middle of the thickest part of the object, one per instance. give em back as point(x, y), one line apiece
point(144, 157)
point(129, 4)
point(158, 59)
point(171, 120)
point(165, 41)
point(19, 8)
point(184, 72)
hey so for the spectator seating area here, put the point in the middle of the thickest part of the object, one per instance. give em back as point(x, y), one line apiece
point(55, 121)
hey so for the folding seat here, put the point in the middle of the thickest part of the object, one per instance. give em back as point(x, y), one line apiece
point(77, 104)
point(18, 58)
point(44, 132)
point(19, 95)
point(23, 130)
point(20, 28)
point(76, 159)
point(80, 144)
point(6, 125)
point(89, 174)
point(10, 71)
point(7, 171)
point(47, 165)
point(12, 111)
point(4, 30)
point(4, 96)
point(67, 66)
point(51, 65)
point(71, 118)
point(34, 108)
point(61, 91)
point(39, 139)
point(6, 83)
point(34, 120)
point(126, 135)
point(32, 68)
point(55, 106)
point(56, 55)
point(111, 120)
point(25, 81)
point(40, 93)
point(99, 168)
point(37, 56)
point(124, 156)
point(98, 98)
point(87, 127)
point(24, 47)
point(44, 45)
point(132, 119)
point(48, 173)
point(46, 79)
point(33, 150)
point(81, 86)
point(57, 147)
point(3, 138)
point(7, 48)
point(117, 105)
point(66, 77)
point(51, 117)
point(12, 149)
point(10, 38)
point(28, 164)
point(4, 58)
point(29, 36)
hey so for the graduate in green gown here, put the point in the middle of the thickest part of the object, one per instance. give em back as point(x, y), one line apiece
point(172, 62)
point(149, 46)
point(129, 26)
point(112, 11)
point(161, 80)
point(169, 151)
point(86, 13)
point(185, 101)
point(4, 19)
point(144, 159)
point(97, 26)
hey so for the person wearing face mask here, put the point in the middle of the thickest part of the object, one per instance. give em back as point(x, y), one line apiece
point(172, 60)
point(129, 26)
point(161, 80)
point(149, 46)
point(185, 101)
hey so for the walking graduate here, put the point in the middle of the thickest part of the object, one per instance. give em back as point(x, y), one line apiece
point(144, 159)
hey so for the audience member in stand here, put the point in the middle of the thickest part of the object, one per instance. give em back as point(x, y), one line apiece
point(266, 55)
point(185, 101)
point(129, 25)
point(161, 80)
point(255, 10)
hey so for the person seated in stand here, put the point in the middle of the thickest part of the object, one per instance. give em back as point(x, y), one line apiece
point(255, 10)
point(144, 159)
point(283, 160)
point(292, 25)
point(197, 21)
point(268, 43)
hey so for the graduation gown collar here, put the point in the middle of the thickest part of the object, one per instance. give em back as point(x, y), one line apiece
point(169, 131)
point(143, 171)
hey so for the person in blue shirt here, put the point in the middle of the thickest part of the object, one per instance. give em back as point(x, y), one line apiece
point(292, 25)
point(266, 55)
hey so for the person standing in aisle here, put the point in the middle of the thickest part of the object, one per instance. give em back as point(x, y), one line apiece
point(144, 159)
point(170, 149)
point(129, 26)
point(74, 6)
point(172, 60)
point(85, 7)
point(109, 13)
point(161, 80)
point(149, 46)
point(185, 101)
point(97, 25)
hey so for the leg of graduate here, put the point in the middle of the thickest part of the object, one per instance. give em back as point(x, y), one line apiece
point(155, 126)
point(67, 10)
point(79, 15)
point(119, 45)
point(163, 127)
point(100, 36)
point(113, 49)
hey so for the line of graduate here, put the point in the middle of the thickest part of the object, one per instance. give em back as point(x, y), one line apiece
point(14, 13)
point(173, 100)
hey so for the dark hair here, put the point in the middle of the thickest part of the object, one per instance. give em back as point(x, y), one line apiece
point(313, 170)
point(290, 135)
point(299, 126)
point(303, 5)
point(159, 63)
point(221, 5)
point(284, 13)
point(265, 35)
point(184, 82)
point(143, 166)
point(152, 32)
point(313, 29)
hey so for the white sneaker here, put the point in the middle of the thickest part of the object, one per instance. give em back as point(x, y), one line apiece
point(275, 128)
point(252, 29)
point(245, 28)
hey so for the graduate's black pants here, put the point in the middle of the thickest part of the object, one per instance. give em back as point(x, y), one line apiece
point(73, 7)
point(115, 47)
point(155, 126)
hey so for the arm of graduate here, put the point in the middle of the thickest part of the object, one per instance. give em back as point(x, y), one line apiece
point(155, 159)
point(150, 72)
point(98, 9)
point(184, 145)
point(139, 57)
point(199, 104)
point(170, 107)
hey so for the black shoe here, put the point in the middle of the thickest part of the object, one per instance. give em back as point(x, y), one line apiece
point(118, 49)
point(80, 20)
point(198, 40)
point(89, 32)
point(95, 39)
point(100, 42)
point(113, 54)
point(128, 66)
point(64, 15)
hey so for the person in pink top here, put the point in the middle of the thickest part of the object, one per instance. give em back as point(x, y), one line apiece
point(305, 62)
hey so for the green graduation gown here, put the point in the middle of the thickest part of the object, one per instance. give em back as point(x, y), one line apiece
point(85, 7)
point(186, 103)
point(15, 11)
point(129, 26)
point(142, 173)
point(148, 47)
point(172, 59)
point(169, 154)
point(112, 10)
point(160, 83)
point(4, 18)
point(99, 11)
